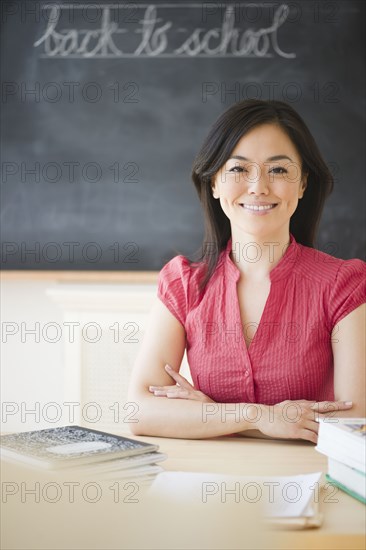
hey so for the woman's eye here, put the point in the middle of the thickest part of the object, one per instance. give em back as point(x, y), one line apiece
point(279, 170)
point(237, 169)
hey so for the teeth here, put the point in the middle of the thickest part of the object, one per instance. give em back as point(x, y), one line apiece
point(253, 207)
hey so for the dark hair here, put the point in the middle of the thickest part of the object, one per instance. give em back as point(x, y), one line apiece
point(222, 138)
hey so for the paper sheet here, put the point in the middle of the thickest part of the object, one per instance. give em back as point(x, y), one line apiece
point(280, 496)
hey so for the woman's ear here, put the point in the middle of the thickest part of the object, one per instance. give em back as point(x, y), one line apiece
point(214, 190)
point(304, 183)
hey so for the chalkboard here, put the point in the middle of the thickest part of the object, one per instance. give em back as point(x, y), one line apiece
point(106, 105)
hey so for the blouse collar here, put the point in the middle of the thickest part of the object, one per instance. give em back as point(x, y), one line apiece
point(281, 270)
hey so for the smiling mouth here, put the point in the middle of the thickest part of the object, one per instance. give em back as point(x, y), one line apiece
point(254, 207)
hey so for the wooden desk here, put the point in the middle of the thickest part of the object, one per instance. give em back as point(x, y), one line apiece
point(105, 524)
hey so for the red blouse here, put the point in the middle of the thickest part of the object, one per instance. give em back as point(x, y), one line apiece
point(290, 356)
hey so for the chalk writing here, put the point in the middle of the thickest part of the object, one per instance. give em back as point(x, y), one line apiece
point(157, 35)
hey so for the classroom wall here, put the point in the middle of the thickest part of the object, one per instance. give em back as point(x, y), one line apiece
point(31, 371)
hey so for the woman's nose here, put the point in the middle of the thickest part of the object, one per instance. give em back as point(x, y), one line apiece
point(257, 181)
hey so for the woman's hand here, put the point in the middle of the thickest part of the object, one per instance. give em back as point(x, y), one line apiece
point(181, 390)
point(297, 419)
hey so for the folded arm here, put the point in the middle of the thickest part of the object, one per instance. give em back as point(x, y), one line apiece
point(182, 411)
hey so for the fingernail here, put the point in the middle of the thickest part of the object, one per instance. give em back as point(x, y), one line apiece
point(168, 367)
point(348, 403)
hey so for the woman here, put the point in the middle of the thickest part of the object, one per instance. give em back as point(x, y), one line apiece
point(269, 322)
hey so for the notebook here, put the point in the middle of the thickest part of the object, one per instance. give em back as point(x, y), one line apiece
point(67, 446)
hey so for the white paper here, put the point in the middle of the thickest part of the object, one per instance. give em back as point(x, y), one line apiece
point(280, 496)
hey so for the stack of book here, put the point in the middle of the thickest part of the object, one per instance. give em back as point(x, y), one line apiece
point(83, 451)
point(343, 440)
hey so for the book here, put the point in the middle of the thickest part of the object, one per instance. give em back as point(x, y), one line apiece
point(70, 446)
point(131, 466)
point(344, 440)
point(127, 463)
point(140, 474)
point(345, 489)
point(348, 479)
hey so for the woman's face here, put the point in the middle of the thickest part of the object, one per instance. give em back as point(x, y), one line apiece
point(264, 169)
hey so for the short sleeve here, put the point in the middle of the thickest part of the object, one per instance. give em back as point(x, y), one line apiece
point(173, 287)
point(348, 290)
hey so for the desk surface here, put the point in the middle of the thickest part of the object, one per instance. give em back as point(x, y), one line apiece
point(344, 522)
point(344, 517)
